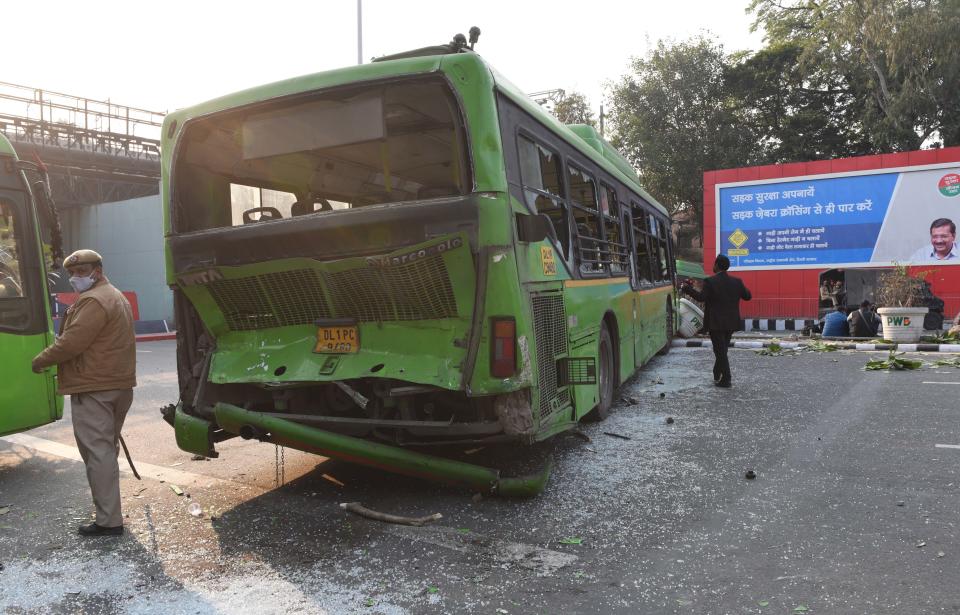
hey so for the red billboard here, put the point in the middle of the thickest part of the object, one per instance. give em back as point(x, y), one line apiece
point(791, 290)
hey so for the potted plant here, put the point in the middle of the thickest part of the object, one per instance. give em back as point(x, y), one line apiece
point(901, 297)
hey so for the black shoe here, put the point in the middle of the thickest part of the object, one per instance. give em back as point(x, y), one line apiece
point(723, 384)
point(98, 530)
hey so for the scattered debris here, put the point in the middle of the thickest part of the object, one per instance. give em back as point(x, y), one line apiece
point(332, 479)
point(176, 489)
point(433, 590)
point(893, 362)
point(921, 544)
point(473, 450)
point(357, 508)
point(946, 338)
point(901, 503)
point(369, 602)
point(582, 436)
point(179, 463)
point(616, 435)
point(662, 395)
point(800, 609)
point(198, 458)
point(763, 603)
point(939, 554)
point(954, 362)
point(195, 509)
point(592, 450)
point(817, 346)
point(4, 510)
point(573, 540)
point(669, 420)
point(750, 475)
point(658, 380)
point(774, 349)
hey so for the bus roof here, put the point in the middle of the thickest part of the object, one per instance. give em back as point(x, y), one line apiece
point(583, 137)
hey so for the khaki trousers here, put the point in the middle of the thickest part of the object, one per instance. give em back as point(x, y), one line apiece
point(97, 419)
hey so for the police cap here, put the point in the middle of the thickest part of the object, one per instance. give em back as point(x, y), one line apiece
point(82, 257)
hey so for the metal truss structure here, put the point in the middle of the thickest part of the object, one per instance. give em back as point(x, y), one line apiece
point(96, 151)
point(548, 99)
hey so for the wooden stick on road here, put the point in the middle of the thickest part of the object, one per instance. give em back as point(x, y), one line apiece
point(357, 508)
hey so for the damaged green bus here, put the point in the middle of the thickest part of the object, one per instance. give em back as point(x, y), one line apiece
point(27, 399)
point(402, 254)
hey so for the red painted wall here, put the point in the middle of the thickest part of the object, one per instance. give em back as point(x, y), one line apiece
point(790, 293)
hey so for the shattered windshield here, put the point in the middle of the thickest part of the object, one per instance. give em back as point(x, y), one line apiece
point(312, 155)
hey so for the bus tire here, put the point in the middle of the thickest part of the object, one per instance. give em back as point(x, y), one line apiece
point(669, 328)
point(605, 376)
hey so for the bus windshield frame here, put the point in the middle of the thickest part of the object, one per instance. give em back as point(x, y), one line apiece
point(229, 170)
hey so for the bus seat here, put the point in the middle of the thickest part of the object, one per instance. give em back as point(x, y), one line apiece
point(266, 213)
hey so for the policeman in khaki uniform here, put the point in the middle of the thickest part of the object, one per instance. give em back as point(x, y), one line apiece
point(96, 357)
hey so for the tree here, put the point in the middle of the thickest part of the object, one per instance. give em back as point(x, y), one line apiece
point(574, 108)
point(797, 113)
point(898, 60)
point(673, 119)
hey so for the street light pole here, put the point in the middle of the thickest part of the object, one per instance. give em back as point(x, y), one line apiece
point(359, 31)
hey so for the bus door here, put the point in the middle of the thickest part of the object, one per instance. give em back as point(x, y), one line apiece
point(26, 399)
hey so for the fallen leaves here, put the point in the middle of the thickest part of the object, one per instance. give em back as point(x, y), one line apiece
point(895, 362)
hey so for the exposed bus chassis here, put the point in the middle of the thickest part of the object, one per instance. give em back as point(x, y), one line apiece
point(358, 420)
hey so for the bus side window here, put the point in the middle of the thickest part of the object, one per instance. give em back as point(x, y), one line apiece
point(641, 235)
point(543, 188)
point(664, 254)
point(586, 216)
point(10, 282)
point(658, 242)
point(615, 245)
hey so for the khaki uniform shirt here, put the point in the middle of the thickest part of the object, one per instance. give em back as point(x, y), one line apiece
point(96, 350)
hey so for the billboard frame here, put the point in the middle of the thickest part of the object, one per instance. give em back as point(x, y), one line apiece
point(820, 176)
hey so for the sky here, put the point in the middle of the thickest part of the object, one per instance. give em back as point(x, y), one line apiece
point(166, 55)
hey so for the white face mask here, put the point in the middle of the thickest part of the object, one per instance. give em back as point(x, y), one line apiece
point(82, 283)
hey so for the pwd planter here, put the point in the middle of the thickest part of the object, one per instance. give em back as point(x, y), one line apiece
point(902, 324)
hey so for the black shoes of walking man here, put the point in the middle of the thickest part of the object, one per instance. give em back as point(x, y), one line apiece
point(98, 530)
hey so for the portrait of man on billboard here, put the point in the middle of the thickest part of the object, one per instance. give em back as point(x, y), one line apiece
point(942, 246)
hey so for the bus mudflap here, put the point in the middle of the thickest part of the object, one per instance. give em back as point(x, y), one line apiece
point(375, 454)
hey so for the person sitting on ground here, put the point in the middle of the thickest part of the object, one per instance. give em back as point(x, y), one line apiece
point(863, 322)
point(826, 294)
point(835, 323)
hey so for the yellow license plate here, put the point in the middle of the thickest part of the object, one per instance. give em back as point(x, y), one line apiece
point(338, 340)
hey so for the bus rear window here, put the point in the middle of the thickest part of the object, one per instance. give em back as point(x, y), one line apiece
point(337, 150)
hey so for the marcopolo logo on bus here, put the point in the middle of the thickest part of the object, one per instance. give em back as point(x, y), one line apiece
point(414, 255)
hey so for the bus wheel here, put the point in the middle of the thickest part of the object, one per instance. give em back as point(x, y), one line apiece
point(605, 377)
point(669, 327)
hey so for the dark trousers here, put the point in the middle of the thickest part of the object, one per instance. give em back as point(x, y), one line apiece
point(721, 365)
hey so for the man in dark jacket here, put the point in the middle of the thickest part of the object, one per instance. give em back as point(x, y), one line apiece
point(721, 296)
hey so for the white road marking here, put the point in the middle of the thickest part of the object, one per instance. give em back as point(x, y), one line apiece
point(946, 445)
point(938, 382)
point(147, 470)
